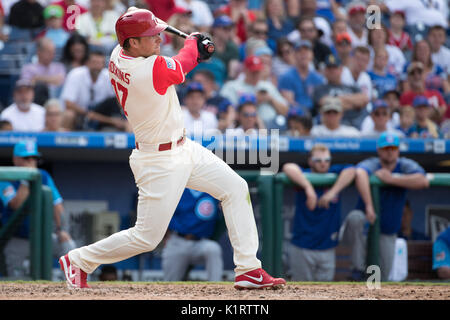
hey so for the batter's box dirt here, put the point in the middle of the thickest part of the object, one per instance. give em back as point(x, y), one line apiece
point(39, 290)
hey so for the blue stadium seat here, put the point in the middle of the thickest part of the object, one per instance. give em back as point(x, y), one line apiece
point(7, 83)
point(19, 34)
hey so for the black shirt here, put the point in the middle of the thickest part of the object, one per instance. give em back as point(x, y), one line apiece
point(27, 15)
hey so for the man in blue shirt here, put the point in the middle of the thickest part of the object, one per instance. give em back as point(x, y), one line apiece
point(298, 83)
point(189, 233)
point(400, 174)
point(441, 254)
point(317, 217)
point(13, 195)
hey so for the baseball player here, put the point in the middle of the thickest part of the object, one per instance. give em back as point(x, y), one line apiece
point(165, 161)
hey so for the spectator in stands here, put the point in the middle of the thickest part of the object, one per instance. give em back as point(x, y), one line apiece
point(75, 52)
point(416, 84)
point(343, 47)
point(284, 58)
point(242, 17)
point(380, 115)
point(314, 10)
point(331, 114)
point(247, 120)
point(308, 31)
point(5, 125)
point(226, 49)
point(356, 15)
point(202, 17)
point(317, 217)
point(419, 12)
point(188, 241)
point(441, 254)
point(355, 74)
point(72, 10)
point(397, 35)
point(353, 100)
point(108, 116)
point(299, 124)
point(13, 196)
point(298, 83)
point(440, 54)
point(197, 121)
point(386, 167)
point(382, 80)
point(256, 37)
point(378, 40)
point(435, 75)
point(271, 103)
point(46, 75)
point(98, 25)
point(26, 14)
point(23, 114)
point(217, 104)
point(266, 55)
point(84, 88)
point(54, 26)
point(423, 127)
point(279, 24)
point(53, 116)
point(407, 118)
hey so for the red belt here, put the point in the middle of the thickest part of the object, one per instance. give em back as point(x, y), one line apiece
point(168, 145)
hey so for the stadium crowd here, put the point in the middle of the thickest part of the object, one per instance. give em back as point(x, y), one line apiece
point(320, 68)
point(277, 63)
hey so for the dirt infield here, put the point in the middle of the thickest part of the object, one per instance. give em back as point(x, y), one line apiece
point(221, 291)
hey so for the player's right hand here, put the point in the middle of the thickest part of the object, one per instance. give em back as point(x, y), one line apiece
point(204, 45)
point(311, 199)
point(370, 214)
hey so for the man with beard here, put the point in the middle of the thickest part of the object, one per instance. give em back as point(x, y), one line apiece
point(399, 174)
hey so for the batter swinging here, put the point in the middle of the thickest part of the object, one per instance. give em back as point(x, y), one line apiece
point(165, 161)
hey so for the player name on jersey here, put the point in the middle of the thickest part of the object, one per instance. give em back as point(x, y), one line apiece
point(125, 77)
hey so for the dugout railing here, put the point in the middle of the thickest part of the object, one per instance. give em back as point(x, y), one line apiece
point(281, 181)
point(39, 205)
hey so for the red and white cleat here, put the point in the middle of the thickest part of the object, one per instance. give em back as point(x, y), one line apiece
point(258, 279)
point(75, 277)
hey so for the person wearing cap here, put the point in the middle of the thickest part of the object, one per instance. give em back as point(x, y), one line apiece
point(266, 55)
point(343, 47)
point(226, 49)
point(423, 126)
point(13, 195)
point(53, 15)
point(317, 217)
point(397, 35)
point(331, 114)
point(353, 101)
point(380, 115)
point(247, 119)
point(416, 84)
point(98, 25)
point(197, 121)
point(400, 175)
point(46, 74)
point(24, 114)
point(298, 83)
point(270, 102)
point(356, 15)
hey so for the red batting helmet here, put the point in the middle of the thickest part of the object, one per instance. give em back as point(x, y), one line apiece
point(138, 23)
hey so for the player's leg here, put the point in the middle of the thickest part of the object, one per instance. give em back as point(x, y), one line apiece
point(209, 252)
point(326, 265)
point(301, 264)
point(387, 253)
point(176, 257)
point(161, 179)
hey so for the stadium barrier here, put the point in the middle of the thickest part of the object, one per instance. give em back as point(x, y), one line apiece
point(316, 179)
point(40, 207)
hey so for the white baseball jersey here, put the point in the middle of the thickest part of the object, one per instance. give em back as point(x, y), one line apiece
point(145, 89)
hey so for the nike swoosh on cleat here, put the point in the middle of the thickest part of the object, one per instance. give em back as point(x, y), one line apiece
point(254, 278)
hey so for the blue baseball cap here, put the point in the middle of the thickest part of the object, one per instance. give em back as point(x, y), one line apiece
point(247, 98)
point(303, 44)
point(379, 103)
point(263, 51)
point(222, 21)
point(420, 101)
point(332, 61)
point(26, 148)
point(388, 139)
point(194, 86)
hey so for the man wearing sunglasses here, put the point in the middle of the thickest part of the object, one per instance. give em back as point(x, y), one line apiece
point(13, 195)
point(317, 217)
point(380, 115)
point(400, 174)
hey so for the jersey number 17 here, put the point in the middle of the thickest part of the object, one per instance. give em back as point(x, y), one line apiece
point(118, 87)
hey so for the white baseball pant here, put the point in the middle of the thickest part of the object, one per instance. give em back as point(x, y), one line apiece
point(161, 178)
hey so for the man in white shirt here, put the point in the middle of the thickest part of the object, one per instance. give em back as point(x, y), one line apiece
point(440, 54)
point(23, 114)
point(355, 74)
point(430, 12)
point(331, 115)
point(197, 121)
point(84, 88)
point(201, 13)
point(380, 115)
point(356, 13)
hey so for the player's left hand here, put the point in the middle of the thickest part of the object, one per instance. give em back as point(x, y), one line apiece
point(384, 175)
point(203, 43)
point(325, 199)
